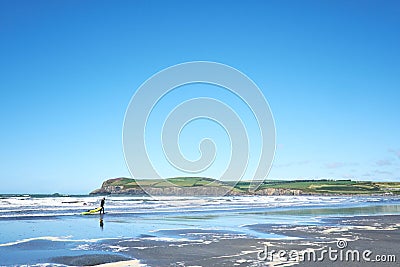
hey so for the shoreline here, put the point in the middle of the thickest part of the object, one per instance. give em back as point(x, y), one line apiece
point(380, 234)
point(130, 263)
point(192, 231)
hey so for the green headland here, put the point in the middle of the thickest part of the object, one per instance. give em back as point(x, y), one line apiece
point(209, 186)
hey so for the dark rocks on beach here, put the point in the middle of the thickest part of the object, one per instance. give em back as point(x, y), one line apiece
point(89, 259)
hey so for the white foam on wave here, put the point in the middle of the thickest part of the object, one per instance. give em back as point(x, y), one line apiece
point(54, 239)
point(44, 265)
point(84, 247)
point(118, 248)
point(64, 206)
point(169, 239)
point(167, 229)
point(36, 215)
point(47, 202)
point(47, 238)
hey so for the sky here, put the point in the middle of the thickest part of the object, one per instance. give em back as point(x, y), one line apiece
point(330, 71)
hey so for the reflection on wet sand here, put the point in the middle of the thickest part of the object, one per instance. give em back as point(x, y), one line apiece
point(101, 221)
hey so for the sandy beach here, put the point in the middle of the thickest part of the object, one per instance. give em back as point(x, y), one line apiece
point(378, 234)
point(130, 263)
point(191, 231)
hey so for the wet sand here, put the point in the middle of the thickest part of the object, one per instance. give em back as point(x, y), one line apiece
point(379, 234)
point(130, 263)
point(90, 259)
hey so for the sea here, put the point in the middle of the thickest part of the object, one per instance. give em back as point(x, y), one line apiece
point(34, 229)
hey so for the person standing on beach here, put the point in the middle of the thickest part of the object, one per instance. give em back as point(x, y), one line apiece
point(102, 205)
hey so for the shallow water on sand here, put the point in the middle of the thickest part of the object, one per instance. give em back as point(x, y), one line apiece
point(35, 229)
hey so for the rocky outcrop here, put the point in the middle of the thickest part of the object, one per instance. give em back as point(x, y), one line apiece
point(116, 186)
point(118, 190)
point(278, 192)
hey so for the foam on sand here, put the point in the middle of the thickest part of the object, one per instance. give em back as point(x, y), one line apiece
point(130, 263)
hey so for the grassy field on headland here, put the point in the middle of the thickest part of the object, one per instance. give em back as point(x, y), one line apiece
point(323, 186)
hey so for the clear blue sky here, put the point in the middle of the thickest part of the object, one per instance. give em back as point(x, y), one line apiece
point(330, 71)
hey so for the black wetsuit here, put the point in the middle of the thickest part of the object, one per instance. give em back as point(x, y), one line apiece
point(102, 206)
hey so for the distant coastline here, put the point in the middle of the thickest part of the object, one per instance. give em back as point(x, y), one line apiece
point(200, 186)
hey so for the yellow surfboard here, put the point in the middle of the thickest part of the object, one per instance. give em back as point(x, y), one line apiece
point(90, 212)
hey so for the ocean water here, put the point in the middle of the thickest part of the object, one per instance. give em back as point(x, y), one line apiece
point(33, 229)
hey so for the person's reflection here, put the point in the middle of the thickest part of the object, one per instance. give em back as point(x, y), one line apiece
point(101, 222)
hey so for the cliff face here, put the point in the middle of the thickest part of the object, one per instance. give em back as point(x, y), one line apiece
point(132, 187)
point(279, 192)
point(166, 191)
point(117, 190)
